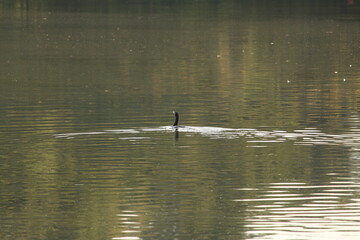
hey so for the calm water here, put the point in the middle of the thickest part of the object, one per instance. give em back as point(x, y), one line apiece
point(269, 96)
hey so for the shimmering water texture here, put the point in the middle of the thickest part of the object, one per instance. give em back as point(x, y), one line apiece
point(268, 93)
point(296, 210)
point(309, 136)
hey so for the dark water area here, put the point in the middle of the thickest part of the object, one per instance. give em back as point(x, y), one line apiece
point(268, 96)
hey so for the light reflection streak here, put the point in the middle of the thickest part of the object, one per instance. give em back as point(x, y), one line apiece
point(129, 225)
point(259, 137)
point(302, 211)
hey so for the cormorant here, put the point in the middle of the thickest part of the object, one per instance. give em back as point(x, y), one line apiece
point(176, 118)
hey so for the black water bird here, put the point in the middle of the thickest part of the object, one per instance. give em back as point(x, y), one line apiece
point(176, 119)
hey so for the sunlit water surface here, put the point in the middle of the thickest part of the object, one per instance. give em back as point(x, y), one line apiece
point(268, 95)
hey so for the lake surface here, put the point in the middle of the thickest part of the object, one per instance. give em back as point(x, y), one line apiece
point(268, 96)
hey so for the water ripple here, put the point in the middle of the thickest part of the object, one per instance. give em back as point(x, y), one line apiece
point(309, 136)
point(302, 211)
